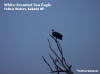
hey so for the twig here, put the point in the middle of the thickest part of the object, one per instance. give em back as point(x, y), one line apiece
point(47, 63)
point(59, 61)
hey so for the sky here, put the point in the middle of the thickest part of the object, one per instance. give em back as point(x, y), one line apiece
point(24, 34)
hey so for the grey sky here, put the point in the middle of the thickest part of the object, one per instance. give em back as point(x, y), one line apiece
point(23, 36)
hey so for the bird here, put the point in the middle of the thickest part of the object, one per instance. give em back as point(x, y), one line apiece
point(57, 35)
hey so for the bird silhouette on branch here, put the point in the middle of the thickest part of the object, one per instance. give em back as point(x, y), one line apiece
point(59, 61)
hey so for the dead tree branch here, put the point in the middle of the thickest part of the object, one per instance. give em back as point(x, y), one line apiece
point(59, 61)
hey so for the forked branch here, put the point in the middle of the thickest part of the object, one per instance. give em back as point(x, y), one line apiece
point(58, 61)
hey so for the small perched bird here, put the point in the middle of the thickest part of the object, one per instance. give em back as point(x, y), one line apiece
point(56, 34)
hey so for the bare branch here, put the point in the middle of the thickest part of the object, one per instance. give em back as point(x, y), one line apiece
point(58, 71)
point(58, 46)
point(53, 51)
point(59, 61)
point(47, 63)
point(55, 63)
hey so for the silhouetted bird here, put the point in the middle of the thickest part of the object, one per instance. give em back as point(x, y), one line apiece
point(57, 35)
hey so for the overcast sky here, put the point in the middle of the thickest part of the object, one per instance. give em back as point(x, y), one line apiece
point(23, 36)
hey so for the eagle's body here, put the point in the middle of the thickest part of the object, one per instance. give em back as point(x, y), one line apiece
point(57, 35)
